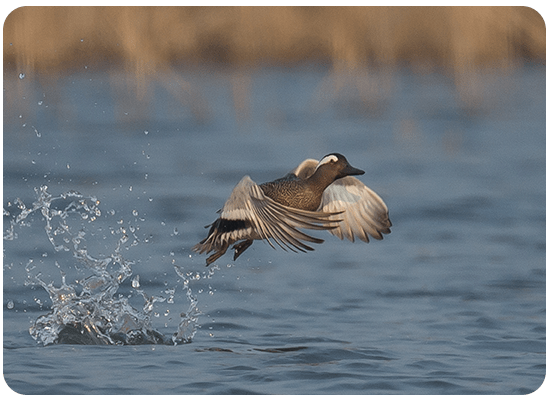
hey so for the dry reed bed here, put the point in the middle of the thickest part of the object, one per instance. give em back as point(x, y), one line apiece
point(146, 41)
point(57, 38)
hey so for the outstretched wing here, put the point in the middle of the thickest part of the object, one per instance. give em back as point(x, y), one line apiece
point(363, 211)
point(249, 214)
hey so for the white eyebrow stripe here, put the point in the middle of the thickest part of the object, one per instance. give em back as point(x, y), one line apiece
point(327, 159)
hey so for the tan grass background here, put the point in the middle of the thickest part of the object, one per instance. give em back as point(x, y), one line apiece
point(58, 38)
point(144, 42)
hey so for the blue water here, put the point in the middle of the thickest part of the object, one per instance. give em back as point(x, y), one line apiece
point(451, 302)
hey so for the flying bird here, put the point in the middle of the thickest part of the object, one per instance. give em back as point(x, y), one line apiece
point(320, 195)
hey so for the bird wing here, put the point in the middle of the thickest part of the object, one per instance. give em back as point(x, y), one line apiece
point(271, 220)
point(305, 169)
point(363, 211)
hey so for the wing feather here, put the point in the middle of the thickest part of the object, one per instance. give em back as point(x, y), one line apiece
point(364, 213)
point(263, 218)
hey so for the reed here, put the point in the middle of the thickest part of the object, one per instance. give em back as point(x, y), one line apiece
point(149, 44)
point(53, 39)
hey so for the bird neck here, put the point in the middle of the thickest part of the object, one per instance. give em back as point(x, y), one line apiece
point(320, 180)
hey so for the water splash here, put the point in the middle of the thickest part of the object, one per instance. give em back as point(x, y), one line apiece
point(90, 310)
point(189, 320)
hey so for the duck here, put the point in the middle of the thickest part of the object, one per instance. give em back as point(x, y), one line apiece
point(317, 195)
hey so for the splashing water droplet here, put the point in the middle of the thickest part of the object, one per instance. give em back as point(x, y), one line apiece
point(95, 313)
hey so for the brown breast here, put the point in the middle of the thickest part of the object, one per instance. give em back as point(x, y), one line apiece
point(293, 193)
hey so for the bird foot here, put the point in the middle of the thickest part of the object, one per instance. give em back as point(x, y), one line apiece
point(241, 247)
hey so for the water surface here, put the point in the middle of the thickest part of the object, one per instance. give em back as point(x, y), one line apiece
point(451, 302)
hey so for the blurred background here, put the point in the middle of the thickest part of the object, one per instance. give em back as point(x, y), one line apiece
point(145, 48)
point(155, 113)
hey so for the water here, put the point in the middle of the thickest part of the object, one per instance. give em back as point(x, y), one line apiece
point(451, 302)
